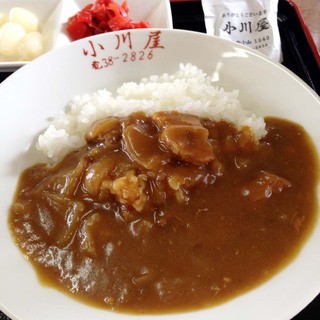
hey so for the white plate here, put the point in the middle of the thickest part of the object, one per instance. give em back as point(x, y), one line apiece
point(44, 87)
point(53, 16)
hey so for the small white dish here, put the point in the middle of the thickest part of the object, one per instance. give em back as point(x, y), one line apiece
point(53, 16)
point(45, 86)
point(49, 15)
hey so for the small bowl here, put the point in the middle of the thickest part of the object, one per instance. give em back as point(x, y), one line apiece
point(48, 13)
point(53, 16)
point(156, 12)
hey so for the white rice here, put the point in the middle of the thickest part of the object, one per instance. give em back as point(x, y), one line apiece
point(189, 90)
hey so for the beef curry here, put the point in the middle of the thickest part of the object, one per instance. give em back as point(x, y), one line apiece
point(169, 212)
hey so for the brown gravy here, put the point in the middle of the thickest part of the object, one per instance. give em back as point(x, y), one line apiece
point(168, 213)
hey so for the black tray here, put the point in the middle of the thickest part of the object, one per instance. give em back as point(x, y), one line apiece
point(298, 55)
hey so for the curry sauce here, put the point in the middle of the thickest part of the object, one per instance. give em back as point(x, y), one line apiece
point(169, 212)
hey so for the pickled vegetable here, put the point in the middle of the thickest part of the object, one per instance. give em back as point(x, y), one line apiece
point(27, 20)
point(20, 38)
point(10, 36)
point(100, 17)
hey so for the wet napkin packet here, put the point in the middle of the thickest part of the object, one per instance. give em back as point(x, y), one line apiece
point(250, 22)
